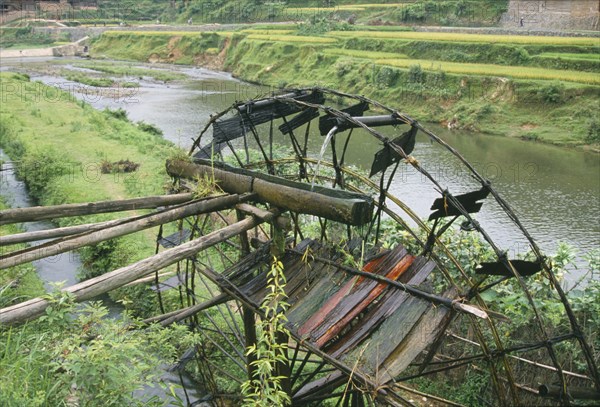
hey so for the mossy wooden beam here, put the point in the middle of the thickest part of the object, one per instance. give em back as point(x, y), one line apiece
point(333, 204)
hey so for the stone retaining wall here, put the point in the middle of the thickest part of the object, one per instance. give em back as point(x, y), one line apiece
point(552, 14)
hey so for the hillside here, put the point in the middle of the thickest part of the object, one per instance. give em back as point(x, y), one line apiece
point(532, 87)
point(445, 12)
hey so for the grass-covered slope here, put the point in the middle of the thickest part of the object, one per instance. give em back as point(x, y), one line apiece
point(60, 145)
point(538, 88)
point(427, 12)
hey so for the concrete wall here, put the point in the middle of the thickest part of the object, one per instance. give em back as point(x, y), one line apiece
point(553, 14)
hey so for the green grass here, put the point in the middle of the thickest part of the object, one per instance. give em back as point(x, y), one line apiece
point(60, 144)
point(460, 37)
point(363, 54)
point(518, 72)
point(86, 79)
point(165, 33)
point(130, 70)
point(566, 55)
point(267, 31)
point(292, 38)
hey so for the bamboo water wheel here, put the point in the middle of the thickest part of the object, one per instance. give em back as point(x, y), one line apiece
point(378, 297)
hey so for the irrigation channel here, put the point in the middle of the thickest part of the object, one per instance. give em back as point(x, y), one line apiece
point(555, 191)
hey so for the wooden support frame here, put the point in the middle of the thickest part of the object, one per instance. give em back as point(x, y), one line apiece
point(144, 222)
point(36, 213)
point(99, 285)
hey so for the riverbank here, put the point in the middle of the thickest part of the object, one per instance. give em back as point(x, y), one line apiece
point(60, 145)
point(542, 89)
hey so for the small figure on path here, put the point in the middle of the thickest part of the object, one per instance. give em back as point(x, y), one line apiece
point(521, 22)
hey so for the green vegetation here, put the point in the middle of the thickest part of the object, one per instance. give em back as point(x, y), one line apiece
point(87, 79)
point(180, 48)
point(516, 72)
point(265, 388)
point(476, 38)
point(76, 355)
point(67, 166)
point(482, 83)
point(430, 12)
point(130, 70)
point(24, 37)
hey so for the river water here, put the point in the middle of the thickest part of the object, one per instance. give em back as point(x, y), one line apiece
point(554, 191)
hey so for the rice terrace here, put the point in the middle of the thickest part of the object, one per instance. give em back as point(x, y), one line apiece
point(286, 203)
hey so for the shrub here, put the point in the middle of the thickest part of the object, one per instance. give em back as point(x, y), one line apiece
point(416, 74)
point(120, 113)
point(593, 134)
point(552, 93)
point(386, 77)
point(149, 128)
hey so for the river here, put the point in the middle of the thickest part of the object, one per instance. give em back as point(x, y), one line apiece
point(555, 191)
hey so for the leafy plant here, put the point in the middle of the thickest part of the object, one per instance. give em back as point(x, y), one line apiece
point(265, 388)
point(593, 134)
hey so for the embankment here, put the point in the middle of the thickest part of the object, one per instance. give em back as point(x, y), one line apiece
point(536, 88)
point(60, 146)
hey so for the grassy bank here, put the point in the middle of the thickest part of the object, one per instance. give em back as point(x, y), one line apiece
point(536, 88)
point(75, 355)
point(60, 145)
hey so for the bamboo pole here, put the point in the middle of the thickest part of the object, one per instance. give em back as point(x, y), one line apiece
point(337, 205)
point(99, 285)
point(58, 232)
point(54, 248)
point(194, 309)
point(36, 213)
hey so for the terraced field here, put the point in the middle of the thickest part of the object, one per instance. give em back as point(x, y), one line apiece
point(402, 61)
point(461, 37)
point(518, 72)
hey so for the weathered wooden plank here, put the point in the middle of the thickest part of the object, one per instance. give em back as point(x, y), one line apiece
point(320, 292)
point(337, 205)
point(371, 353)
point(326, 383)
point(68, 244)
point(36, 213)
point(423, 333)
point(355, 304)
point(326, 316)
point(386, 306)
point(99, 285)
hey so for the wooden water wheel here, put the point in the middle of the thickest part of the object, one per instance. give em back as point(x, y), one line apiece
point(378, 298)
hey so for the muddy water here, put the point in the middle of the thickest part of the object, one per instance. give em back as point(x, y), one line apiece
point(555, 192)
